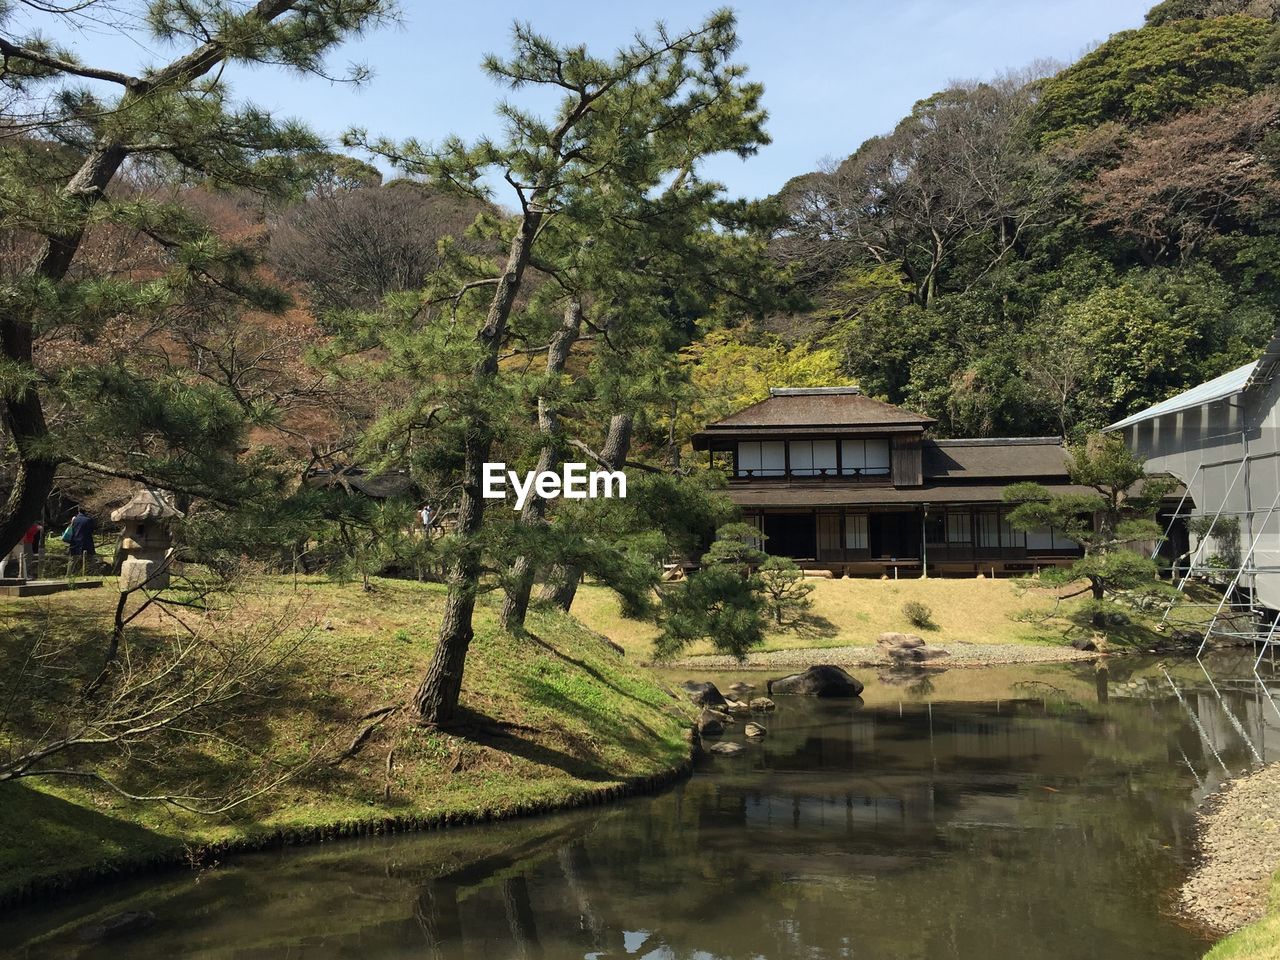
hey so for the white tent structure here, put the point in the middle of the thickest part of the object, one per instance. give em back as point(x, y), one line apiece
point(1222, 440)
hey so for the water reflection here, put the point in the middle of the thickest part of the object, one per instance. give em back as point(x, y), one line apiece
point(1019, 813)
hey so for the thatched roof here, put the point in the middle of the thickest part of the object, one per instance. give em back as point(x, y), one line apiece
point(146, 504)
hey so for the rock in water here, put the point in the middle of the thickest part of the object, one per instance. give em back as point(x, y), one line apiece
point(761, 704)
point(710, 724)
point(726, 748)
point(703, 694)
point(737, 706)
point(754, 731)
point(742, 687)
point(822, 680)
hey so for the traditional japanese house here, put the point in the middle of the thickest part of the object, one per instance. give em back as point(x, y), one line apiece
point(837, 480)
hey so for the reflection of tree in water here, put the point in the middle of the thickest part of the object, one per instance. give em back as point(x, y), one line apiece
point(967, 830)
point(922, 686)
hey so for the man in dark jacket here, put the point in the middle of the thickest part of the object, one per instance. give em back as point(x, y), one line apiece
point(81, 542)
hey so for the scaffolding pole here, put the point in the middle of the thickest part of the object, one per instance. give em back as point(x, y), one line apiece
point(1235, 581)
point(1205, 539)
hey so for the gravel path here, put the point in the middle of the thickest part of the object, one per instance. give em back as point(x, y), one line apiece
point(1239, 837)
point(962, 655)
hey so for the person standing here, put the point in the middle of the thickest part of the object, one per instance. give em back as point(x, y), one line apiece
point(81, 542)
point(427, 518)
point(18, 562)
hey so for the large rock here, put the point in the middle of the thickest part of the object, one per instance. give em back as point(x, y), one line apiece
point(901, 640)
point(822, 680)
point(710, 724)
point(703, 694)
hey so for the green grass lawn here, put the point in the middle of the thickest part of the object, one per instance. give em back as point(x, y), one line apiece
point(551, 716)
point(1258, 941)
point(856, 611)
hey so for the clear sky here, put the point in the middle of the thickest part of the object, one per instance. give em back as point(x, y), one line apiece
point(834, 72)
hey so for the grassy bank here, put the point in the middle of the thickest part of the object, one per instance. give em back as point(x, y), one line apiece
point(1258, 941)
point(854, 612)
point(552, 719)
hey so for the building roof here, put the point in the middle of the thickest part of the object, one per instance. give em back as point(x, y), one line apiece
point(1219, 388)
point(860, 495)
point(812, 410)
point(1024, 458)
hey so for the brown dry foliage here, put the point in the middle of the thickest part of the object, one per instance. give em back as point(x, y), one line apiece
point(1181, 182)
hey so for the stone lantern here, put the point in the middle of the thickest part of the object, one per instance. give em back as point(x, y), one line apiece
point(145, 543)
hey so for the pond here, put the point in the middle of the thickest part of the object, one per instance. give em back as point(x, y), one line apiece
point(1027, 812)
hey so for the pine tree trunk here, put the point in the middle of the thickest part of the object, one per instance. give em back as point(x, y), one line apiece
point(436, 700)
point(516, 605)
point(562, 585)
point(1099, 618)
point(23, 412)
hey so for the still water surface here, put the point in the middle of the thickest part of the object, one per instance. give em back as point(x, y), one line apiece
point(1015, 812)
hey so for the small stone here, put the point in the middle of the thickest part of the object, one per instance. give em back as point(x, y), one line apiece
point(762, 704)
point(726, 748)
point(754, 731)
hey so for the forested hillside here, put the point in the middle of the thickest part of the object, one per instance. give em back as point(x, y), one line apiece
point(1044, 252)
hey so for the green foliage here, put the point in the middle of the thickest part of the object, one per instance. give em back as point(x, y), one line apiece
point(785, 591)
point(122, 269)
point(737, 544)
point(1139, 76)
point(917, 614)
point(1119, 513)
point(1224, 533)
point(716, 603)
point(728, 370)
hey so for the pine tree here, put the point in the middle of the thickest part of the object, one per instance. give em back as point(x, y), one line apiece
point(88, 152)
point(607, 159)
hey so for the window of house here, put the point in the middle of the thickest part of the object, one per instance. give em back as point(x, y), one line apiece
point(855, 531)
point(810, 458)
point(1009, 536)
point(958, 528)
point(829, 535)
point(1062, 542)
point(864, 458)
point(762, 458)
point(988, 528)
point(935, 528)
point(1040, 538)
